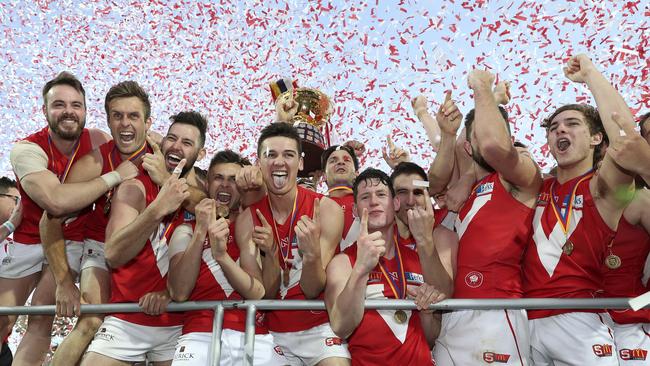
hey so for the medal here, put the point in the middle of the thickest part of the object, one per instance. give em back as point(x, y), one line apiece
point(567, 248)
point(223, 211)
point(400, 316)
point(613, 261)
point(285, 276)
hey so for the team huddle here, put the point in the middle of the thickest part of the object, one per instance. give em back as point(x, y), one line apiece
point(128, 218)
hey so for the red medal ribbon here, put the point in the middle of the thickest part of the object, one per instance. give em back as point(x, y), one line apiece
point(401, 277)
point(284, 252)
point(565, 219)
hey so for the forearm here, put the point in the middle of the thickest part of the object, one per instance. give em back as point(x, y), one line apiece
point(4, 233)
point(54, 247)
point(124, 245)
point(184, 272)
point(433, 271)
point(252, 196)
point(349, 306)
point(442, 167)
point(492, 135)
point(313, 277)
point(68, 198)
point(608, 100)
point(196, 195)
point(246, 285)
point(431, 323)
point(270, 275)
point(431, 127)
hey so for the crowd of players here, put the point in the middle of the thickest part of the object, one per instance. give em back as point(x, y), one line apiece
point(129, 217)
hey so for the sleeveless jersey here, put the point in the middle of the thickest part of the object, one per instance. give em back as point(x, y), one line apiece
point(98, 217)
point(379, 339)
point(493, 229)
point(550, 272)
point(291, 320)
point(212, 285)
point(27, 232)
point(632, 245)
point(346, 202)
point(147, 271)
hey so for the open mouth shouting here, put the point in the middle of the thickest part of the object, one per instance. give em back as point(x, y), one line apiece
point(223, 198)
point(563, 144)
point(172, 159)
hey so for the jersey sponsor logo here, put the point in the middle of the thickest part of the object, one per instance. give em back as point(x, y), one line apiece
point(491, 357)
point(333, 341)
point(578, 201)
point(474, 279)
point(414, 277)
point(602, 350)
point(543, 199)
point(485, 188)
point(637, 354)
point(188, 216)
point(182, 355)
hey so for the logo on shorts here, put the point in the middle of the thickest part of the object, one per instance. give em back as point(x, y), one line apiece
point(333, 341)
point(182, 355)
point(474, 279)
point(636, 354)
point(6, 260)
point(104, 336)
point(491, 357)
point(602, 350)
point(278, 350)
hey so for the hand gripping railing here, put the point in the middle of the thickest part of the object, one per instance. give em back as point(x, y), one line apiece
point(388, 304)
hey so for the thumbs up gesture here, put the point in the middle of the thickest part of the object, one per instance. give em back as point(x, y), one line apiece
point(370, 247)
point(308, 233)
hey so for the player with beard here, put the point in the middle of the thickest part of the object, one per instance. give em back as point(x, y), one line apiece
point(128, 115)
point(204, 267)
point(576, 216)
point(341, 166)
point(136, 251)
point(491, 238)
point(41, 162)
point(297, 232)
point(377, 266)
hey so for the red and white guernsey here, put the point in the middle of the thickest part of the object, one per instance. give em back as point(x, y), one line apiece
point(27, 232)
point(632, 245)
point(379, 339)
point(291, 320)
point(98, 218)
point(346, 202)
point(147, 271)
point(493, 230)
point(576, 271)
point(212, 285)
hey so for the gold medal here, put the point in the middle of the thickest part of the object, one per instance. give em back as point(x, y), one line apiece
point(285, 276)
point(567, 248)
point(613, 261)
point(400, 316)
point(223, 211)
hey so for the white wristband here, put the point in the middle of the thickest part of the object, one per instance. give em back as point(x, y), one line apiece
point(112, 179)
point(10, 226)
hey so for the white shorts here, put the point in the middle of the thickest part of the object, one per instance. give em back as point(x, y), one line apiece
point(93, 255)
point(633, 343)
point(193, 349)
point(310, 346)
point(125, 341)
point(482, 337)
point(19, 260)
point(576, 338)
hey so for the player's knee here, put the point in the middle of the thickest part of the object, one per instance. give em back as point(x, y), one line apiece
point(88, 325)
point(40, 324)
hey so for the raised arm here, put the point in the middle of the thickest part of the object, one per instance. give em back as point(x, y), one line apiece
point(440, 172)
point(346, 285)
point(318, 238)
point(132, 222)
point(249, 238)
point(493, 137)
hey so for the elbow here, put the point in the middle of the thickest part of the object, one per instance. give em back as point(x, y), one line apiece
point(112, 259)
point(340, 329)
point(178, 295)
point(53, 208)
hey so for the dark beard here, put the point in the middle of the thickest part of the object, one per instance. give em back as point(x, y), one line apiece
point(65, 135)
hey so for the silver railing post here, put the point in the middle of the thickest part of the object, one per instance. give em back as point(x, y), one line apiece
point(249, 345)
point(217, 329)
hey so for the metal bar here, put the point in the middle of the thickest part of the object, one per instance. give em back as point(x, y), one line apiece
point(217, 329)
point(449, 304)
point(249, 343)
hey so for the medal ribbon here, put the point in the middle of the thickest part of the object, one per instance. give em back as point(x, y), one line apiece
point(340, 188)
point(132, 157)
point(565, 219)
point(286, 254)
point(70, 161)
point(401, 277)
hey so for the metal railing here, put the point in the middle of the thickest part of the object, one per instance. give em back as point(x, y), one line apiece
point(251, 307)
